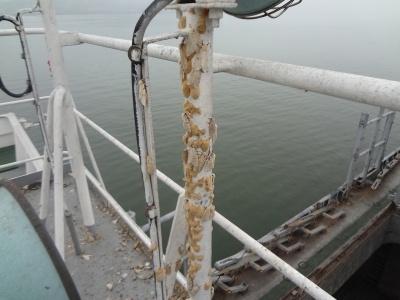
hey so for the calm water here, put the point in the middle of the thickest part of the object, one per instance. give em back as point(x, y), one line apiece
point(279, 149)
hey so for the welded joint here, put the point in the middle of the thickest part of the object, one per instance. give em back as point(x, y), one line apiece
point(69, 39)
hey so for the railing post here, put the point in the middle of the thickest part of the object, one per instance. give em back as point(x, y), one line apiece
point(385, 137)
point(59, 76)
point(196, 69)
point(58, 171)
point(44, 195)
point(368, 159)
point(356, 151)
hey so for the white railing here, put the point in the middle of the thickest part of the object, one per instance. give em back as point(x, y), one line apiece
point(373, 91)
point(24, 161)
point(22, 101)
point(236, 232)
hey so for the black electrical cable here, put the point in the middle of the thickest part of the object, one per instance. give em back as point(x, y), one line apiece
point(28, 82)
point(136, 66)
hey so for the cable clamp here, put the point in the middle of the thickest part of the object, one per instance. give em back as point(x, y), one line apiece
point(135, 53)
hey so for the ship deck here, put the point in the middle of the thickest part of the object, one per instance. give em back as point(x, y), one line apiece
point(362, 210)
point(117, 258)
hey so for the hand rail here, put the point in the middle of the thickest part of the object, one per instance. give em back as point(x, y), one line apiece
point(22, 101)
point(227, 225)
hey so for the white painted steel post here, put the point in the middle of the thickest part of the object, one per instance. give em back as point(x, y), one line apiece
point(148, 166)
point(296, 277)
point(58, 171)
point(33, 84)
point(59, 73)
point(196, 69)
point(385, 137)
point(47, 165)
point(356, 151)
point(368, 159)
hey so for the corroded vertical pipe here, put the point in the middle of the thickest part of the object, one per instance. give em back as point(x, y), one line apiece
point(198, 158)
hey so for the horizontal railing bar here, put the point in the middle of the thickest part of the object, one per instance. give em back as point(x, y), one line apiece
point(124, 215)
point(168, 181)
point(380, 143)
point(368, 90)
point(379, 118)
point(11, 32)
point(367, 150)
point(362, 89)
point(20, 162)
point(296, 277)
point(117, 44)
point(167, 36)
point(22, 101)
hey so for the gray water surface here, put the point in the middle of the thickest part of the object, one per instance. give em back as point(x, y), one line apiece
point(279, 149)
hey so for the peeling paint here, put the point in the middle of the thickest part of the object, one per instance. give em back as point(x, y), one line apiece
point(143, 92)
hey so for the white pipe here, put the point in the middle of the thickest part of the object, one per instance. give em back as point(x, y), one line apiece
point(117, 44)
point(362, 89)
point(168, 181)
point(20, 162)
point(150, 182)
point(90, 152)
point(124, 215)
point(200, 196)
point(303, 282)
point(47, 163)
point(58, 171)
point(59, 76)
point(22, 101)
point(10, 32)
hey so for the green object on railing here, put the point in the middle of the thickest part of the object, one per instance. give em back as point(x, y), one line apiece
point(249, 8)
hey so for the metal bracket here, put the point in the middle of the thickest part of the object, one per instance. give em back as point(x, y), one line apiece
point(135, 53)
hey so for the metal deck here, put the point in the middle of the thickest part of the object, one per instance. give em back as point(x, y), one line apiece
point(110, 259)
point(361, 208)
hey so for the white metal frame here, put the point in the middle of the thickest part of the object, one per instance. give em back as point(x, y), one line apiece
point(373, 91)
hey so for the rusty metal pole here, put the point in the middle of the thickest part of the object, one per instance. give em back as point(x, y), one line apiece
point(196, 61)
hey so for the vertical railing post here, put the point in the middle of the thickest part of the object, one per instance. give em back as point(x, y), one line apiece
point(368, 159)
point(385, 137)
point(356, 151)
point(148, 165)
point(59, 76)
point(58, 171)
point(196, 69)
point(47, 162)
